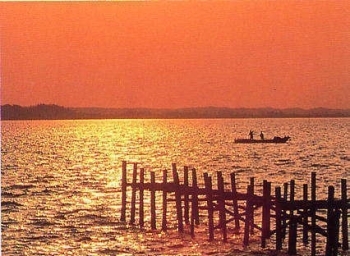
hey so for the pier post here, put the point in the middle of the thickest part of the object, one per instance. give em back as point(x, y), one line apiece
point(313, 214)
point(194, 202)
point(133, 194)
point(305, 215)
point(221, 205)
point(178, 198)
point(330, 227)
point(141, 213)
point(292, 240)
point(292, 196)
point(153, 201)
point(252, 181)
point(336, 231)
point(278, 219)
point(195, 196)
point(209, 197)
point(165, 203)
point(235, 201)
point(266, 212)
point(123, 188)
point(344, 214)
point(186, 197)
point(284, 212)
point(249, 213)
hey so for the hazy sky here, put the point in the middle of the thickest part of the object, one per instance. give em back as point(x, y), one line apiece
point(176, 54)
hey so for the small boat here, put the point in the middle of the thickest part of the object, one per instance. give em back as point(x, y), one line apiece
point(274, 140)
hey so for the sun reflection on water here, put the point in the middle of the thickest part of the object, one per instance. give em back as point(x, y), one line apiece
point(61, 179)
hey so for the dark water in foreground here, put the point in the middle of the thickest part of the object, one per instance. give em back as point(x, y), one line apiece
point(60, 180)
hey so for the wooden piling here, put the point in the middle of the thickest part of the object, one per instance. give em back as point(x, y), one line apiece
point(278, 219)
point(285, 191)
point(292, 193)
point(336, 231)
point(284, 213)
point(263, 216)
point(133, 194)
point(194, 202)
point(330, 222)
point(141, 210)
point(186, 197)
point(192, 220)
point(195, 210)
point(234, 200)
point(178, 199)
point(252, 181)
point(221, 205)
point(209, 197)
point(268, 218)
point(292, 239)
point(313, 214)
point(165, 203)
point(153, 201)
point(123, 188)
point(265, 213)
point(286, 208)
point(344, 214)
point(249, 213)
point(305, 215)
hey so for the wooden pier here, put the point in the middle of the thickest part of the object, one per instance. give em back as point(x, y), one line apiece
point(283, 217)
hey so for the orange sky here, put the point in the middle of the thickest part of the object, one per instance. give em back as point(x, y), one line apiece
point(176, 54)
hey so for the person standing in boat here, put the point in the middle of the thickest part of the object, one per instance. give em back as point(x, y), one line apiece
point(251, 134)
point(261, 135)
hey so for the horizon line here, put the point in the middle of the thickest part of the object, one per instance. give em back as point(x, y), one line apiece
point(175, 108)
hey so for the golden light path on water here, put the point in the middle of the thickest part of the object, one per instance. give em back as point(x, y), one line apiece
point(61, 180)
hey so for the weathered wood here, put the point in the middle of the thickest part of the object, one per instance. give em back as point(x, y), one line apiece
point(278, 219)
point(344, 214)
point(186, 197)
point(153, 202)
point(292, 239)
point(165, 203)
point(330, 222)
point(252, 181)
point(336, 226)
point(286, 209)
point(178, 199)
point(292, 194)
point(133, 194)
point(313, 214)
point(265, 222)
point(123, 188)
point(284, 213)
point(221, 204)
point(195, 210)
point(141, 210)
point(249, 212)
point(305, 216)
point(235, 200)
point(192, 216)
point(209, 196)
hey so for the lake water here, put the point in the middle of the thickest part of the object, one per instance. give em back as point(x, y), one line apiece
point(60, 180)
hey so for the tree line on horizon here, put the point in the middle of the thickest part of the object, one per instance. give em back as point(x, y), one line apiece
point(55, 112)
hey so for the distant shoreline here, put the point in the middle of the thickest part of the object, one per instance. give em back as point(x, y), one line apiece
point(55, 112)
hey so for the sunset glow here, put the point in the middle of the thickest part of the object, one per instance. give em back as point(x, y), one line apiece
point(176, 54)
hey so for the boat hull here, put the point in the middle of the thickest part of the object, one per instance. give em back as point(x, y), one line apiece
point(275, 140)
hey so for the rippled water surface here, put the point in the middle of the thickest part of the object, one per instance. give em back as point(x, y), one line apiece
point(60, 180)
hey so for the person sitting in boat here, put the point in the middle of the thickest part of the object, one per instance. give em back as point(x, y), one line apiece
point(261, 136)
point(251, 134)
